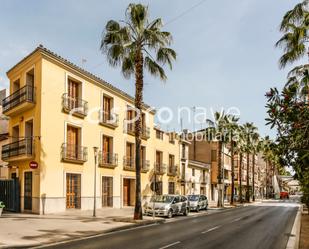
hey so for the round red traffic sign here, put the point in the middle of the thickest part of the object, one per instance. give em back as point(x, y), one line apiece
point(33, 165)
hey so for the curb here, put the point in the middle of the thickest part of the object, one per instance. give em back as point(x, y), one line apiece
point(293, 242)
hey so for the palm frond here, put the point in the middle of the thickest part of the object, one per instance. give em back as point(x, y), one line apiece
point(154, 68)
point(166, 55)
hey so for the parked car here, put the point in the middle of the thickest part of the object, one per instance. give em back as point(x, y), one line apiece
point(168, 205)
point(198, 202)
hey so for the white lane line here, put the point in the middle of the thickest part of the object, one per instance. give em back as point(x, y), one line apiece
point(169, 245)
point(237, 219)
point(211, 229)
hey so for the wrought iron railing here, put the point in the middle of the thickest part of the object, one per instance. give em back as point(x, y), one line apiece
point(109, 160)
point(145, 166)
point(109, 118)
point(145, 132)
point(24, 94)
point(23, 147)
point(172, 170)
point(74, 152)
point(74, 105)
point(160, 168)
point(129, 163)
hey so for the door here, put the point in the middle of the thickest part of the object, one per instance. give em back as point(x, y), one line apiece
point(126, 192)
point(107, 149)
point(28, 191)
point(107, 105)
point(73, 190)
point(73, 93)
point(72, 142)
point(129, 154)
point(107, 191)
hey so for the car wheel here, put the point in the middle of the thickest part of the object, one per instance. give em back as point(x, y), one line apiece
point(197, 209)
point(169, 214)
point(186, 212)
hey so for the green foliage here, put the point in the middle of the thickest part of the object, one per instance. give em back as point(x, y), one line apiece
point(2, 204)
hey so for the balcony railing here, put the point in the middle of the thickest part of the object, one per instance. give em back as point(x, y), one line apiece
point(20, 148)
point(74, 153)
point(109, 119)
point(108, 160)
point(145, 166)
point(172, 170)
point(24, 94)
point(160, 168)
point(78, 107)
point(145, 132)
point(129, 163)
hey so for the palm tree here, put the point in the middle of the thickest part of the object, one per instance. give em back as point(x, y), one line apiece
point(294, 26)
point(136, 44)
point(240, 150)
point(232, 130)
point(256, 147)
point(218, 133)
point(267, 156)
point(249, 131)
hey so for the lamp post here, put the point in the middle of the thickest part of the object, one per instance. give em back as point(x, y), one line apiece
point(95, 150)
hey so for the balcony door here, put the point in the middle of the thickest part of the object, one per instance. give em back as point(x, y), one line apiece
point(15, 133)
point(130, 153)
point(130, 118)
point(159, 158)
point(107, 107)
point(73, 93)
point(143, 155)
point(72, 141)
point(29, 136)
point(107, 149)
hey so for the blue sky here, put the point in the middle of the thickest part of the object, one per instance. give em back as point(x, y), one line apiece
point(226, 53)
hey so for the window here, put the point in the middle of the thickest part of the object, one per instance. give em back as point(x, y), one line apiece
point(183, 151)
point(159, 134)
point(159, 157)
point(73, 190)
point(130, 151)
point(107, 107)
point(74, 93)
point(73, 142)
point(171, 160)
point(214, 155)
point(107, 149)
point(193, 172)
point(171, 188)
point(30, 78)
point(159, 188)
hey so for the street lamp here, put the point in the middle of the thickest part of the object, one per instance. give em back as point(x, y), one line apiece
point(95, 150)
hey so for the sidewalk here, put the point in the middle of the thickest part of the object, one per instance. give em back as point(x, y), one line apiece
point(30, 230)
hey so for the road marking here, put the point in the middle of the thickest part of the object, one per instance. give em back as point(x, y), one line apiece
point(211, 229)
point(169, 245)
point(237, 219)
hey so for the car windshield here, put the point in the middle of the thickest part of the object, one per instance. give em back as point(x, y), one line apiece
point(193, 197)
point(162, 198)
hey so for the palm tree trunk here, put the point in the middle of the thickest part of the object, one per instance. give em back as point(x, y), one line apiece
point(220, 187)
point(247, 189)
point(266, 178)
point(240, 178)
point(138, 214)
point(233, 173)
point(253, 172)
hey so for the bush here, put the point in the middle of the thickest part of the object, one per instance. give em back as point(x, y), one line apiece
point(305, 199)
point(2, 204)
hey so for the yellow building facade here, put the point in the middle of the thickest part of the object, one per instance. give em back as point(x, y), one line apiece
point(58, 112)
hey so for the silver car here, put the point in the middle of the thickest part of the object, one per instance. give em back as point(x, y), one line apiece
point(198, 202)
point(168, 205)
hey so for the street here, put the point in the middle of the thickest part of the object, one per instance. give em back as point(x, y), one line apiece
point(266, 225)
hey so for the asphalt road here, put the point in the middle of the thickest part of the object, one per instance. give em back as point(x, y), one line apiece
point(265, 226)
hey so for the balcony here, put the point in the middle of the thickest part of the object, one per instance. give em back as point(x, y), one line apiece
point(160, 168)
point(76, 107)
point(20, 150)
point(172, 170)
point(109, 119)
point(129, 163)
point(145, 132)
point(74, 153)
point(108, 160)
point(145, 166)
point(20, 101)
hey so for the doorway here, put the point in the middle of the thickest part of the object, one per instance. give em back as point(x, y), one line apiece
point(28, 191)
point(107, 191)
point(73, 190)
point(128, 192)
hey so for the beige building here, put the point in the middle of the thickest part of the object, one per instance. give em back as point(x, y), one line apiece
point(58, 112)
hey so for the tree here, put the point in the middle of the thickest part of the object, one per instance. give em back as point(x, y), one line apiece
point(136, 44)
point(250, 132)
point(232, 129)
point(256, 147)
point(295, 34)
